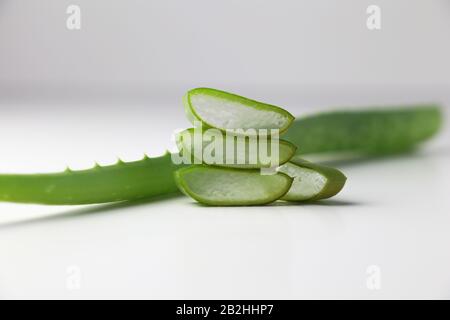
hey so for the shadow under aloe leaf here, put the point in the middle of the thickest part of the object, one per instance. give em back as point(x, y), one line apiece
point(281, 203)
point(90, 210)
point(325, 202)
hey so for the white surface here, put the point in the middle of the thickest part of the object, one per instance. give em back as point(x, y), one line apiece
point(393, 213)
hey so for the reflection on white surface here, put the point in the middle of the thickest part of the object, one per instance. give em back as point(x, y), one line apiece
point(393, 214)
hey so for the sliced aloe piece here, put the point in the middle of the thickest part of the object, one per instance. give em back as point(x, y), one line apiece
point(227, 111)
point(231, 187)
point(312, 181)
point(215, 148)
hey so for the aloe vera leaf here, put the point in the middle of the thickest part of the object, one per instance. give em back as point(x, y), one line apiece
point(232, 156)
point(122, 181)
point(227, 111)
point(372, 131)
point(340, 131)
point(311, 181)
point(231, 187)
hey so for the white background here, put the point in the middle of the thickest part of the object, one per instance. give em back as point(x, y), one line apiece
point(114, 89)
point(147, 46)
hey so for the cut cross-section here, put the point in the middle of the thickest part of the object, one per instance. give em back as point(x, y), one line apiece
point(227, 111)
point(231, 187)
point(312, 181)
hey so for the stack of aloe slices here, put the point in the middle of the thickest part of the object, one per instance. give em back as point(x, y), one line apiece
point(231, 183)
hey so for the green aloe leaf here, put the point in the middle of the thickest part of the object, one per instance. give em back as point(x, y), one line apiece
point(100, 184)
point(372, 132)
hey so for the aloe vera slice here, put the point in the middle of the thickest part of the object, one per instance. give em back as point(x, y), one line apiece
point(312, 181)
point(216, 148)
point(227, 111)
point(231, 187)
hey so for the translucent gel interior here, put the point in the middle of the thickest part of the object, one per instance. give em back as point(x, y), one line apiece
point(227, 114)
point(307, 183)
point(225, 185)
